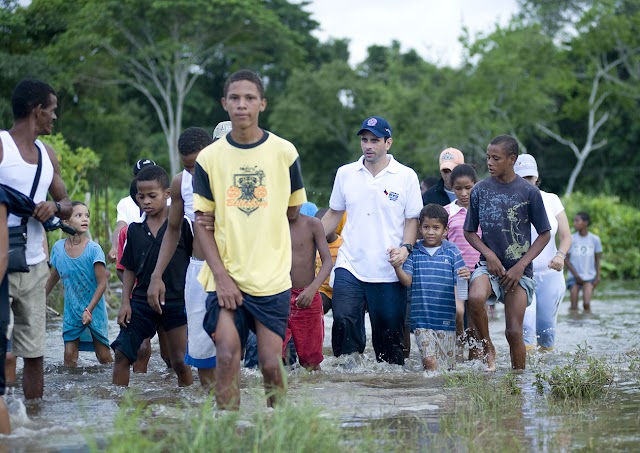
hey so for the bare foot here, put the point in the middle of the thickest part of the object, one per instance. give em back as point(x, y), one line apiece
point(490, 355)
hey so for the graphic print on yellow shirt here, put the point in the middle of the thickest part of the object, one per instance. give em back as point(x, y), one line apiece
point(248, 191)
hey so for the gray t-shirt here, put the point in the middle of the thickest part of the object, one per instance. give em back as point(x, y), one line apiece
point(582, 255)
point(505, 212)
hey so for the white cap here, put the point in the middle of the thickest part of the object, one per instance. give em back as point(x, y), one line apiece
point(221, 129)
point(526, 166)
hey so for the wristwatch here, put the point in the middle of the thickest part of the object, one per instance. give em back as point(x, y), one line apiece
point(58, 207)
point(409, 247)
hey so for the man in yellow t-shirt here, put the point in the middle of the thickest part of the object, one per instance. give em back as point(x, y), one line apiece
point(249, 179)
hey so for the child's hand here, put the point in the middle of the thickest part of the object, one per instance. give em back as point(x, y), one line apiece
point(494, 266)
point(464, 272)
point(124, 315)
point(304, 299)
point(87, 317)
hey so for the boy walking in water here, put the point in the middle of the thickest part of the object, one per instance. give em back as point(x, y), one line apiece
point(504, 206)
point(583, 262)
point(306, 321)
point(137, 319)
point(432, 270)
point(250, 179)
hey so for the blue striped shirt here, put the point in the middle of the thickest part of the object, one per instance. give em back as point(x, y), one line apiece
point(433, 303)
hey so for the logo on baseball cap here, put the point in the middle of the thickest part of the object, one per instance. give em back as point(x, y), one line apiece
point(221, 129)
point(450, 158)
point(377, 126)
point(526, 166)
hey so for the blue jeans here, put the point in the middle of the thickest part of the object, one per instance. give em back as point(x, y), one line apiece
point(540, 318)
point(387, 306)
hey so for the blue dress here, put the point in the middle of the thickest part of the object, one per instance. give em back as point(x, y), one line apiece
point(79, 280)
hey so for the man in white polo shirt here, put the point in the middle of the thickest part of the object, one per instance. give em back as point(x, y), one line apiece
point(383, 200)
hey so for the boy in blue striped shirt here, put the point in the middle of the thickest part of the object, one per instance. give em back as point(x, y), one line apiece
point(432, 270)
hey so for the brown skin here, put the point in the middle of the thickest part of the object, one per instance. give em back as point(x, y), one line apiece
point(5, 424)
point(156, 291)
point(582, 227)
point(24, 132)
point(500, 166)
point(153, 200)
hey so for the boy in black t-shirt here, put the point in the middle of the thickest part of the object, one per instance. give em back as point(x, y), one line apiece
point(136, 318)
point(504, 206)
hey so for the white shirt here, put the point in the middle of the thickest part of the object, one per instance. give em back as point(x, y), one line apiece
point(553, 206)
point(16, 173)
point(377, 207)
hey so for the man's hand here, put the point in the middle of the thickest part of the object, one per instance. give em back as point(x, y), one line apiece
point(124, 315)
point(397, 255)
point(207, 220)
point(305, 298)
point(229, 296)
point(494, 265)
point(45, 210)
point(155, 294)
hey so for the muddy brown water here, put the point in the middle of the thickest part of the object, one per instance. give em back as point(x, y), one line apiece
point(358, 390)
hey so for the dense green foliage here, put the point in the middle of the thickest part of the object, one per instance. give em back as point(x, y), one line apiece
point(618, 226)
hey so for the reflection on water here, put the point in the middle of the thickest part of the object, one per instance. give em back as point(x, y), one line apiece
point(356, 389)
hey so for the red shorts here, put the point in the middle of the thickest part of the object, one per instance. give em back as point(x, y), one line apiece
point(306, 325)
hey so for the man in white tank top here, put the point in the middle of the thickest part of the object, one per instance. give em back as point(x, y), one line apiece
point(34, 106)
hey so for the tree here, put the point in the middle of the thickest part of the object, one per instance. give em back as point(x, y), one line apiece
point(160, 48)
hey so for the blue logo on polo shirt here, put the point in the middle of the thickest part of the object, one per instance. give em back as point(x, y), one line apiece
point(393, 196)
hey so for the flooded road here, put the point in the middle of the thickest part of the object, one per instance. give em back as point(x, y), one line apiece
point(81, 403)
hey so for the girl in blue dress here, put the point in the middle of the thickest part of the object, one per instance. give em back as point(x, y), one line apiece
point(80, 263)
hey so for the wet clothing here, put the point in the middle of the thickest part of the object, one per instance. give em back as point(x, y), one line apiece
point(505, 212)
point(440, 344)
point(144, 322)
point(527, 283)
point(387, 307)
point(270, 311)
point(306, 326)
point(436, 194)
point(79, 279)
point(201, 352)
point(433, 302)
point(249, 188)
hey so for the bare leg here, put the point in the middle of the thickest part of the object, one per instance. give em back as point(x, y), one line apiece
point(33, 378)
point(207, 378)
point(144, 354)
point(10, 368)
point(71, 353)
point(228, 361)
point(587, 292)
point(269, 351)
point(459, 329)
point(479, 292)
point(5, 424)
point(515, 304)
point(165, 348)
point(430, 363)
point(121, 371)
point(177, 343)
point(573, 294)
point(103, 352)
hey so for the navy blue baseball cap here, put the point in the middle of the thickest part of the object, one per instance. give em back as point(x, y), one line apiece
point(378, 126)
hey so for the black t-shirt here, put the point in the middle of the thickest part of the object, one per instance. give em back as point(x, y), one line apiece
point(4, 287)
point(140, 255)
point(505, 212)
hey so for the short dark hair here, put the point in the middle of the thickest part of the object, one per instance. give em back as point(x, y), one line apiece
point(193, 140)
point(27, 95)
point(507, 143)
point(584, 216)
point(436, 212)
point(244, 74)
point(463, 170)
point(154, 173)
point(78, 203)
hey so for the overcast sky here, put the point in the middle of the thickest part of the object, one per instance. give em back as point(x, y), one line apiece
point(431, 27)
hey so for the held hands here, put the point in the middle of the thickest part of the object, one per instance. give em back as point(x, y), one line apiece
point(155, 294)
point(124, 315)
point(397, 255)
point(229, 296)
point(87, 317)
point(464, 272)
point(305, 298)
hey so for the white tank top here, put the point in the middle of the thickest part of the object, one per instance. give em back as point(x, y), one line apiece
point(16, 173)
point(186, 190)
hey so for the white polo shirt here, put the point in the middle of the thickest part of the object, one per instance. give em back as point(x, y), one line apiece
point(376, 211)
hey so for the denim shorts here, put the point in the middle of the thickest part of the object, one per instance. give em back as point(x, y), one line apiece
point(527, 283)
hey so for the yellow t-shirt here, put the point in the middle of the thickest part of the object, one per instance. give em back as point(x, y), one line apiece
point(250, 187)
point(333, 249)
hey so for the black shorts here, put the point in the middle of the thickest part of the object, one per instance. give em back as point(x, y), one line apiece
point(3, 354)
point(144, 322)
point(270, 311)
